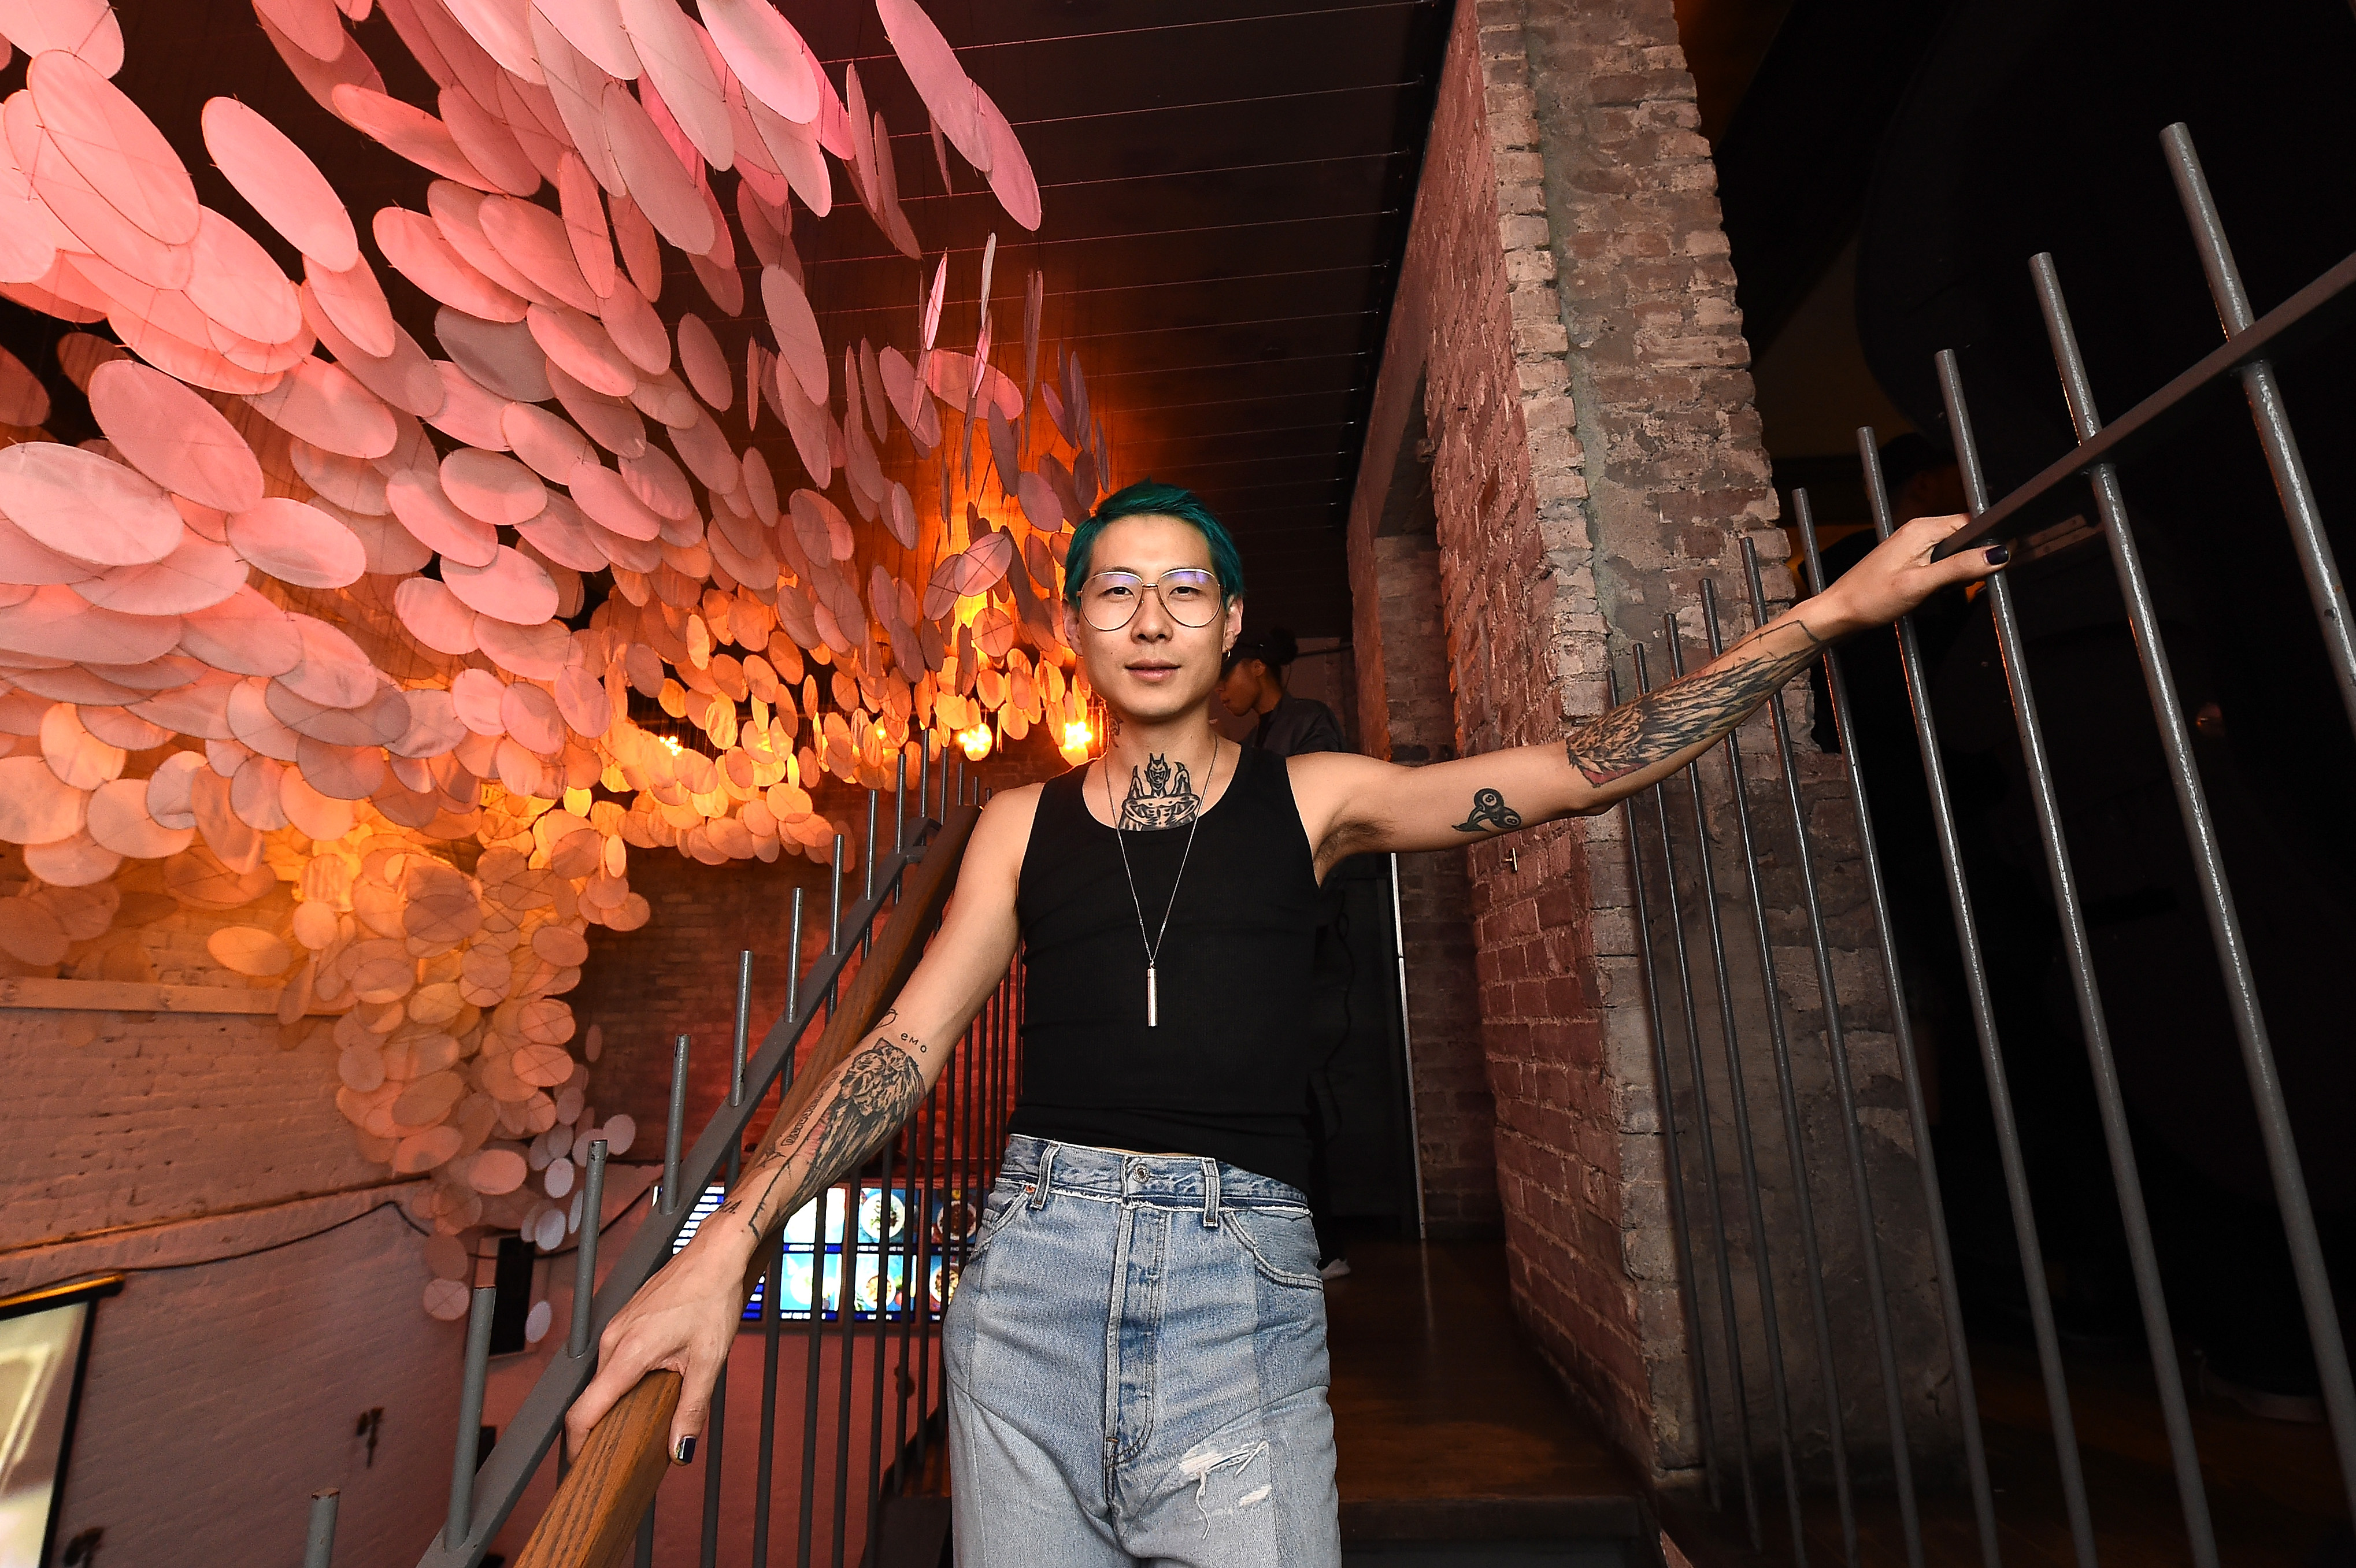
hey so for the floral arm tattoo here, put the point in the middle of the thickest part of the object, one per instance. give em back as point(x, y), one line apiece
point(1695, 710)
point(876, 1090)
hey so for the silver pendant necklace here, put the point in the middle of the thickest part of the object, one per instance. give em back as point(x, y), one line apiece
point(1154, 944)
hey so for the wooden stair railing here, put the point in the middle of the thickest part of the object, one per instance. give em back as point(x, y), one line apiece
point(594, 1517)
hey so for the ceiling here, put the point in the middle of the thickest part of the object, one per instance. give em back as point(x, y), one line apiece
point(1226, 189)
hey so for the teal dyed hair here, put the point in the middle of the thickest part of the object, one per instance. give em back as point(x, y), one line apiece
point(1147, 499)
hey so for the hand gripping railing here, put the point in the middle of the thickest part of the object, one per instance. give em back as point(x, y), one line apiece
point(598, 1505)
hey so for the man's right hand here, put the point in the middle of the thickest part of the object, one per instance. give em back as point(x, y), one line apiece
point(683, 1320)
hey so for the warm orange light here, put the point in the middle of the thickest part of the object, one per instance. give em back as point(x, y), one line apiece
point(974, 743)
point(1078, 736)
point(676, 748)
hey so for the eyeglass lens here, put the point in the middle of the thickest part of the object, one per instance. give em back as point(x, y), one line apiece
point(1189, 596)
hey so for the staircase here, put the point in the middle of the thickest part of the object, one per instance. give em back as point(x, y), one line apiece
point(1456, 1445)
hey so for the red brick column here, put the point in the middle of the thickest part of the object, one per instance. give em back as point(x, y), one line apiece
point(1566, 352)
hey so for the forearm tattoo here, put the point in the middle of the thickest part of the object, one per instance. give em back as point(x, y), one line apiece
point(1692, 711)
point(1161, 794)
point(878, 1088)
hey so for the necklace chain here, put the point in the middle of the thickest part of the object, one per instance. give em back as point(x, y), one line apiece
point(1120, 837)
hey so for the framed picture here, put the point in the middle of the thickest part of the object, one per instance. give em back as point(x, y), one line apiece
point(44, 1348)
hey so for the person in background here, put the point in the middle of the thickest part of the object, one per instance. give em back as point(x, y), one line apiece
point(1252, 681)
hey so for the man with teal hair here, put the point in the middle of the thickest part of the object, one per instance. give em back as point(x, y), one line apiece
point(1136, 1349)
point(1149, 498)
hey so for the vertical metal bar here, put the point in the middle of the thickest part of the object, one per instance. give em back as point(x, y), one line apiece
point(902, 1384)
point(921, 1289)
point(1710, 1185)
point(744, 1024)
point(2325, 587)
point(2091, 1020)
point(319, 1541)
point(1406, 1050)
point(992, 1061)
point(794, 980)
point(675, 1132)
point(715, 1436)
point(1788, 1102)
point(1739, 1098)
point(834, 908)
point(846, 1362)
point(867, 864)
point(923, 780)
point(2216, 898)
point(806, 1513)
point(584, 1249)
point(1918, 1115)
point(970, 1093)
point(882, 1331)
point(2086, 994)
point(715, 1429)
point(945, 1168)
point(765, 1458)
point(1665, 1099)
point(2016, 1174)
point(463, 1462)
point(645, 1554)
point(1836, 1049)
point(900, 804)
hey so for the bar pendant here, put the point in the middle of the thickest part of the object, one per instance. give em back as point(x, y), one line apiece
point(1152, 1017)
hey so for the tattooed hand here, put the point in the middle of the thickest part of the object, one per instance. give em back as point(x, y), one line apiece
point(685, 1316)
point(1700, 709)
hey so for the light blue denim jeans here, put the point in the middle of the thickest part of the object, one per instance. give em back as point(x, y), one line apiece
point(1136, 1368)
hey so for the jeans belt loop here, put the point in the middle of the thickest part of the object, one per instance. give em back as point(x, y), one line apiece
point(1210, 1195)
point(1046, 1173)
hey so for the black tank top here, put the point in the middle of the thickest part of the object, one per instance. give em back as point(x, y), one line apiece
point(1225, 1072)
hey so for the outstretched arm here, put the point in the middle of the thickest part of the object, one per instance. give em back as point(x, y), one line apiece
point(1362, 804)
point(683, 1319)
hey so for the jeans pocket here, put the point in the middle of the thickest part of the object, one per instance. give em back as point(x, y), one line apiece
point(1005, 1200)
point(1282, 1244)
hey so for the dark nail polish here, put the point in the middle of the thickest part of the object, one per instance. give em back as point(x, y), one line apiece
point(1997, 555)
point(686, 1450)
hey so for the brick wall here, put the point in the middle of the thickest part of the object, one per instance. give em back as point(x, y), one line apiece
point(222, 1390)
point(677, 974)
point(1565, 348)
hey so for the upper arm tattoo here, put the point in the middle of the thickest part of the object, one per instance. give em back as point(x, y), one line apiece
point(1692, 711)
point(878, 1088)
point(1490, 812)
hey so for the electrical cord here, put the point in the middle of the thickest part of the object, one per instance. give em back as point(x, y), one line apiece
point(394, 1204)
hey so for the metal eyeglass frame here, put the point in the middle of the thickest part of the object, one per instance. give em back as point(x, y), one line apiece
point(1154, 587)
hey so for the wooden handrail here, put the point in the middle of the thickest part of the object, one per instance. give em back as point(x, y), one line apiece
point(601, 1500)
point(592, 1520)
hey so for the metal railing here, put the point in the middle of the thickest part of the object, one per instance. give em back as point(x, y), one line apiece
point(934, 1171)
point(1679, 996)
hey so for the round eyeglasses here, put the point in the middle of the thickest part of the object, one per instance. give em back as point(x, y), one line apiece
point(1189, 595)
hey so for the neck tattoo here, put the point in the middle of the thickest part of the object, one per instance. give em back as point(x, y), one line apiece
point(1161, 794)
point(1157, 793)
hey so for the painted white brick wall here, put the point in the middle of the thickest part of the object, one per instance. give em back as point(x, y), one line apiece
point(126, 1118)
point(219, 1396)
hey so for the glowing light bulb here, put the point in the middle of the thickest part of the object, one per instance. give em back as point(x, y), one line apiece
point(676, 748)
point(1076, 736)
point(975, 743)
